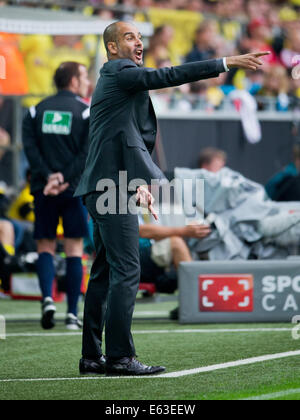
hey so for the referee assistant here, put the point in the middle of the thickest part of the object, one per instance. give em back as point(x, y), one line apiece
point(55, 137)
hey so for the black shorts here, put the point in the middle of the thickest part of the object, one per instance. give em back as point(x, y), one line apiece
point(48, 210)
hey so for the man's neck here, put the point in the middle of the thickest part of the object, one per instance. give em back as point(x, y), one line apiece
point(72, 90)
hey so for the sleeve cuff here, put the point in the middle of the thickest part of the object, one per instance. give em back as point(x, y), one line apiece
point(225, 64)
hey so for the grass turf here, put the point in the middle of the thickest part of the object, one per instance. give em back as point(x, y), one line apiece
point(27, 357)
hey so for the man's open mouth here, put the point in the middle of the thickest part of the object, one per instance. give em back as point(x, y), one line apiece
point(139, 54)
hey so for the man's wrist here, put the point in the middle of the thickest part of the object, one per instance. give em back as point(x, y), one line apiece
point(231, 62)
point(182, 231)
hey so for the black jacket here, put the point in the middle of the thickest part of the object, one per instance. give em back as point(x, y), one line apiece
point(55, 138)
point(123, 124)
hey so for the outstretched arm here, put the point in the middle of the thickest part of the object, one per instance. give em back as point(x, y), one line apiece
point(133, 78)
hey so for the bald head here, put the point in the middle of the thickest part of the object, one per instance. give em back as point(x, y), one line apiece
point(123, 40)
point(111, 35)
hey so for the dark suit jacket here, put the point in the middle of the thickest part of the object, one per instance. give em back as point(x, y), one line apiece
point(123, 124)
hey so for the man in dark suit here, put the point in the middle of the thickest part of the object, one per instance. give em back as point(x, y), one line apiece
point(123, 129)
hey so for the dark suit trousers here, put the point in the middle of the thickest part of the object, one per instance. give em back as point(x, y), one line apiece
point(113, 285)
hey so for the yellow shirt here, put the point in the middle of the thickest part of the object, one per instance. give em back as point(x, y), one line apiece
point(42, 58)
point(35, 50)
point(215, 96)
point(23, 199)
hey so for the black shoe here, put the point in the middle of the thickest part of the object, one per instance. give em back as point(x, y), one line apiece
point(129, 366)
point(48, 311)
point(92, 367)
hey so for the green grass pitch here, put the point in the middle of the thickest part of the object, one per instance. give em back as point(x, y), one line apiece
point(28, 353)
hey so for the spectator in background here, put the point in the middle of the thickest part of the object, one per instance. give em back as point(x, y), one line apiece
point(15, 82)
point(277, 29)
point(198, 91)
point(7, 235)
point(4, 142)
point(22, 226)
point(68, 48)
point(205, 43)
point(260, 38)
point(22, 208)
point(276, 86)
point(216, 91)
point(43, 55)
point(6, 129)
point(7, 250)
point(212, 159)
point(195, 6)
point(7, 241)
point(258, 9)
point(209, 94)
point(295, 92)
point(130, 6)
point(253, 83)
point(286, 184)
point(161, 249)
point(144, 4)
point(168, 245)
point(159, 47)
point(36, 51)
point(229, 14)
point(292, 49)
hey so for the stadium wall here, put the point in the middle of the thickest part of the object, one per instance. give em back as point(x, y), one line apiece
point(183, 138)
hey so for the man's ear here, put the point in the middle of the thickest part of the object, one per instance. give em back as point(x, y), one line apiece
point(112, 47)
point(75, 82)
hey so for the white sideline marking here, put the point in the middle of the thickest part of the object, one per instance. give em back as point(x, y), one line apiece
point(243, 362)
point(29, 317)
point(177, 331)
point(274, 395)
point(178, 374)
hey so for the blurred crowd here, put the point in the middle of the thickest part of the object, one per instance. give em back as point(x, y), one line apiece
point(184, 31)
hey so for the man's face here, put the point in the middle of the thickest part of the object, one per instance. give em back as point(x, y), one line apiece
point(129, 44)
point(83, 82)
point(215, 165)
